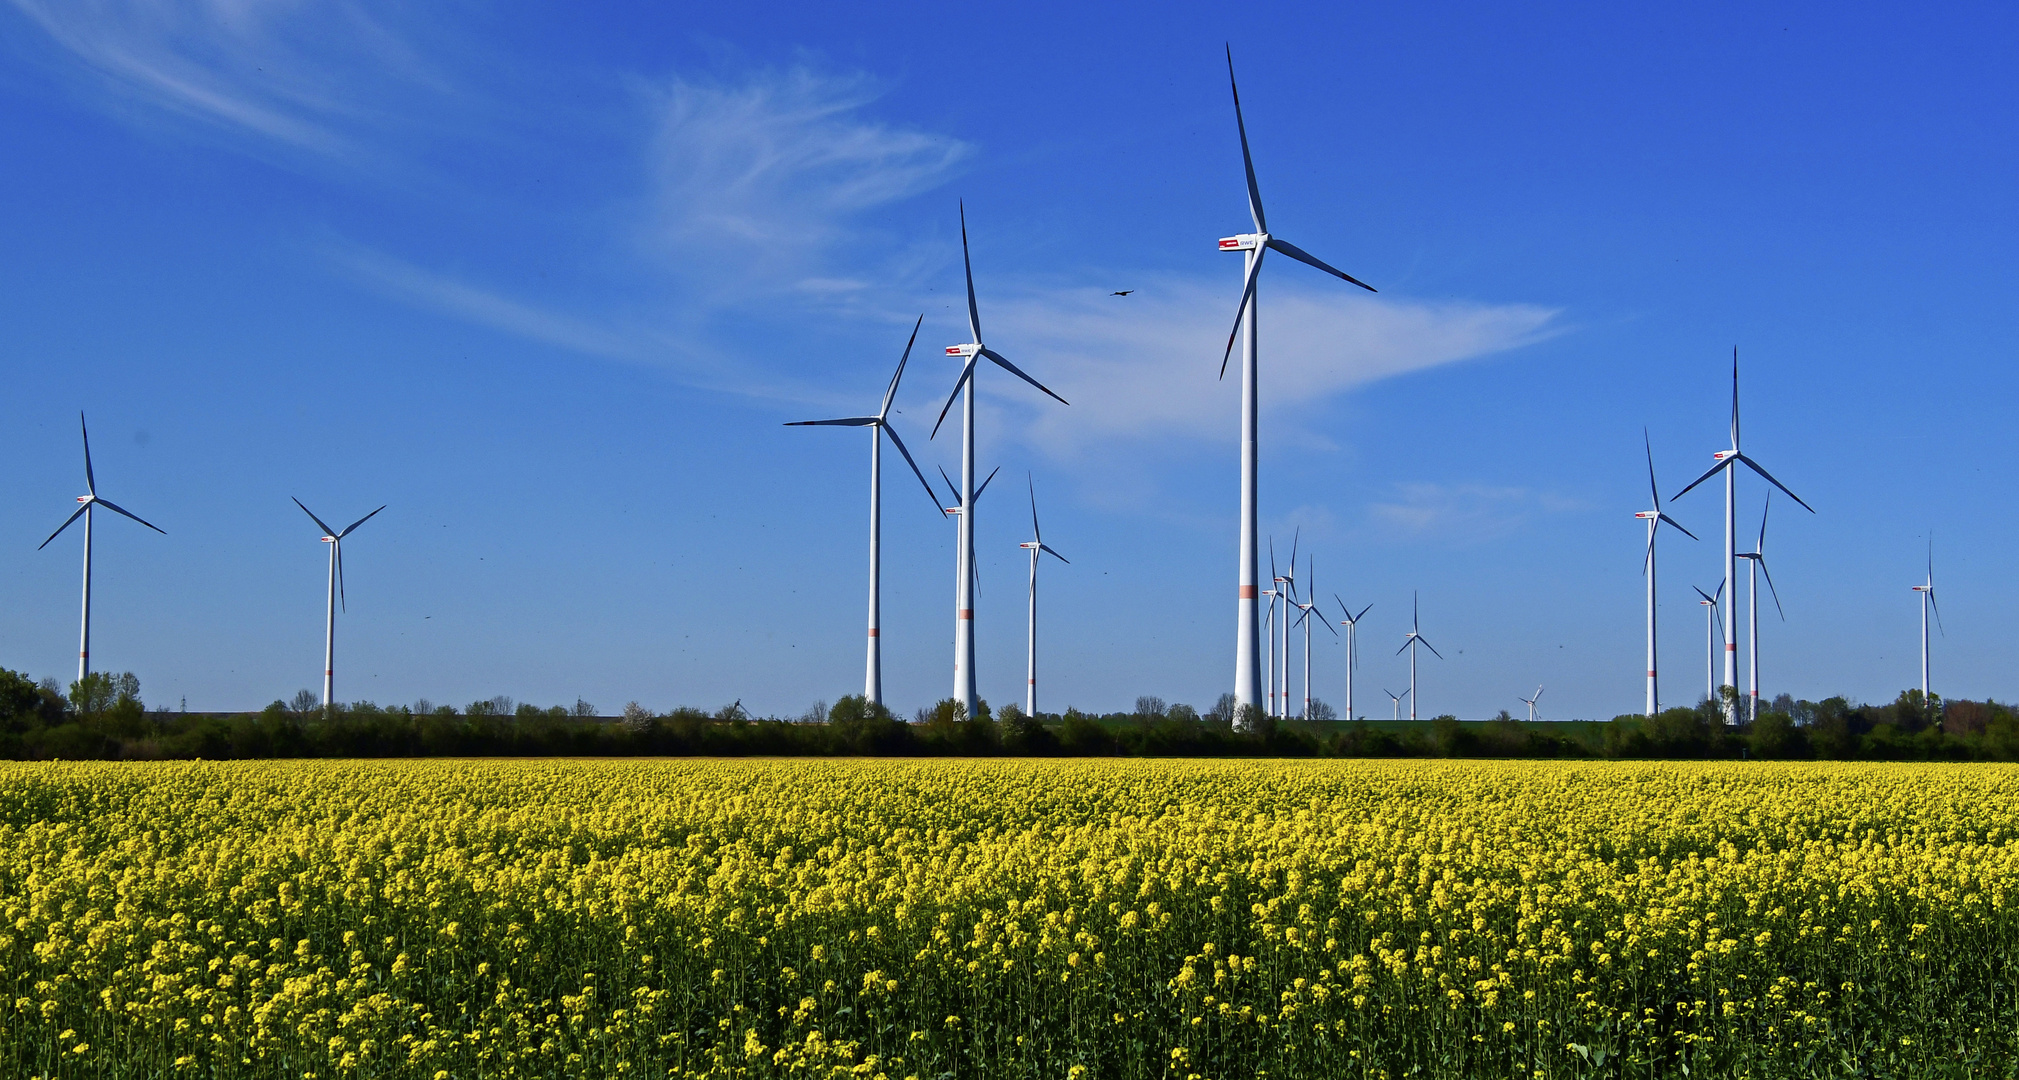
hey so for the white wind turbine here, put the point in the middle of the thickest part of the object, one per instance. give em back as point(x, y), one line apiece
point(335, 540)
point(879, 426)
point(1253, 246)
point(1712, 620)
point(1654, 518)
point(1927, 592)
point(1352, 625)
point(1286, 591)
point(1306, 609)
point(1395, 713)
point(973, 351)
point(87, 501)
point(1530, 702)
point(1758, 558)
point(973, 575)
point(1414, 639)
point(1726, 460)
point(1036, 546)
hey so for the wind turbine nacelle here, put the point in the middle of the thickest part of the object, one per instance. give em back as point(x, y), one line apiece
point(85, 498)
point(1031, 546)
point(1723, 454)
point(1243, 242)
point(329, 539)
point(962, 350)
point(1648, 515)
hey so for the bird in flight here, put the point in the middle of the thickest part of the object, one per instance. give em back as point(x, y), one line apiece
point(1123, 292)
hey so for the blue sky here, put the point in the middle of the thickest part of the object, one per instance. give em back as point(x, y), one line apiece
point(548, 280)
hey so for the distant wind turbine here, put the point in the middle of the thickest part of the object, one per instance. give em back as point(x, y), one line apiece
point(973, 350)
point(1286, 588)
point(1654, 518)
point(1395, 713)
point(1307, 609)
point(1253, 246)
point(1414, 639)
point(1711, 620)
point(87, 501)
point(1726, 462)
point(1352, 625)
point(879, 426)
point(1530, 702)
point(1927, 592)
point(1758, 558)
point(972, 578)
point(335, 540)
point(1036, 546)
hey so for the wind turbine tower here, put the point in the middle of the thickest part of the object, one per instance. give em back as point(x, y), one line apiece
point(1927, 592)
point(1352, 625)
point(972, 351)
point(1036, 546)
point(1727, 462)
point(1414, 639)
point(1710, 605)
point(1654, 517)
point(879, 426)
point(335, 540)
point(87, 502)
point(1253, 246)
point(1757, 560)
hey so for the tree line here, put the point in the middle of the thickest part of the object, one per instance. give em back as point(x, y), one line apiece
point(103, 717)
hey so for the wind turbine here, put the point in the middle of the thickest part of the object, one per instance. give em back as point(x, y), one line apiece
point(1758, 558)
point(1253, 246)
point(973, 351)
point(973, 577)
point(1287, 586)
point(1035, 545)
point(1711, 620)
point(1414, 639)
point(1305, 618)
point(1927, 592)
point(1395, 713)
point(1352, 625)
point(879, 426)
point(1726, 459)
point(335, 540)
point(1530, 702)
point(1654, 517)
point(1277, 592)
point(86, 502)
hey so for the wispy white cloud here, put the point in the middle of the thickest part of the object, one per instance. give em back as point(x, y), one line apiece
point(761, 182)
point(287, 72)
point(1461, 513)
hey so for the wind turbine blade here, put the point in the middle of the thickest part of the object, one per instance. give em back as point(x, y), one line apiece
point(901, 361)
point(1760, 545)
point(1755, 466)
point(899, 443)
point(1302, 256)
point(1405, 693)
point(1363, 611)
point(973, 313)
point(1032, 485)
point(965, 373)
point(352, 527)
point(1719, 594)
point(1327, 624)
point(1296, 538)
point(1677, 525)
point(984, 483)
point(1247, 159)
point(1715, 469)
point(1938, 612)
point(326, 530)
point(1735, 397)
point(1775, 593)
point(90, 485)
point(1056, 555)
point(1018, 372)
point(1647, 559)
point(74, 515)
point(1652, 494)
point(848, 421)
point(1428, 645)
point(1707, 596)
point(1406, 642)
point(1241, 309)
point(1273, 575)
point(343, 601)
point(950, 486)
point(117, 510)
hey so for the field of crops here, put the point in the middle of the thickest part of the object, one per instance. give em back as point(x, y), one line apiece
point(1069, 919)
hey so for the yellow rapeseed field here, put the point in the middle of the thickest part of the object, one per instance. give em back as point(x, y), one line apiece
point(1071, 919)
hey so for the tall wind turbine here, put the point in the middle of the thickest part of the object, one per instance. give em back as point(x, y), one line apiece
point(1352, 625)
point(335, 540)
point(1253, 246)
point(1307, 609)
point(1757, 557)
point(1726, 460)
point(1036, 546)
point(879, 426)
point(86, 502)
point(1927, 592)
point(973, 350)
point(1530, 702)
point(1711, 621)
point(1395, 712)
point(1414, 639)
point(1654, 517)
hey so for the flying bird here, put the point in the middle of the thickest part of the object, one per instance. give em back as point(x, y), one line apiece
point(1123, 292)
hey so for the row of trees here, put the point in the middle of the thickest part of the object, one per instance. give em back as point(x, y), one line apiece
point(102, 716)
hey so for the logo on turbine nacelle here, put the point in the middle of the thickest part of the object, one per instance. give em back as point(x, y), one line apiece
point(962, 350)
point(1645, 514)
point(1243, 242)
point(1723, 454)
